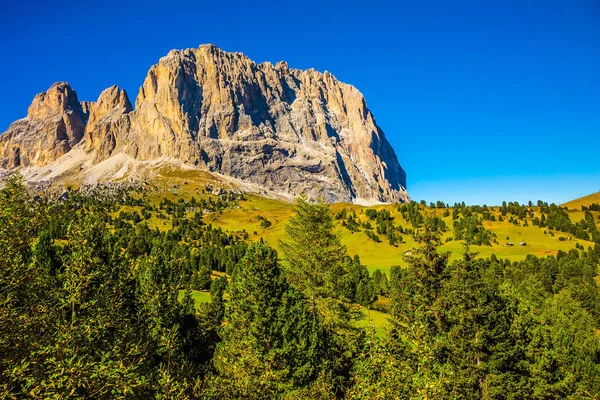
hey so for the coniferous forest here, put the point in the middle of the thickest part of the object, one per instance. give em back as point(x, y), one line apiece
point(96, 303)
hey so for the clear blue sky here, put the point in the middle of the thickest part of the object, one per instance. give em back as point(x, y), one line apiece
point(483, 101)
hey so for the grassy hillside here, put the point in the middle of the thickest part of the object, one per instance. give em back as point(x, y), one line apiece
point(251, 213)
point(382, 255)
point(583, 201)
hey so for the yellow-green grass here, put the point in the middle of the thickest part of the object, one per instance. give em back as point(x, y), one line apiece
point(538, 243)
point(577, 216)
point(199, 297)
point(583, 201)
point(374, 255)
point(247, 218)
point(372, 318)
point(377, 320)
point(382, 255)
point(218, 274)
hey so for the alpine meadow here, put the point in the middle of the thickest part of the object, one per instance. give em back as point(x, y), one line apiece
point(249, 230)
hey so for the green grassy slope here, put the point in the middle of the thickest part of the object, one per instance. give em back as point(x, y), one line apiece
point(174, 184)
point(199, 296)
point(382, 255)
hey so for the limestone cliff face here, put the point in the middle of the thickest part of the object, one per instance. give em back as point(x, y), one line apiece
point(55, 122)
point(106, 117)
point(288, 130)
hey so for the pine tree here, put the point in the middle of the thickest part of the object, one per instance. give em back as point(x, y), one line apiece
point(421, 284)
point(562, 354)
point(271, 342)
point(416, 335)
point(319, 267)
point(46, 253)
point(313, 250)
point(476, 327)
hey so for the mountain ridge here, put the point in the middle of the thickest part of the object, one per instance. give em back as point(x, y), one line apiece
point(288, 130)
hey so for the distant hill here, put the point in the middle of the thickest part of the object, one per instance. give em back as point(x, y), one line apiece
point(583, 201)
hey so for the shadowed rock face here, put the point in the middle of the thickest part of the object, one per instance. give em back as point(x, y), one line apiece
point(288, 130)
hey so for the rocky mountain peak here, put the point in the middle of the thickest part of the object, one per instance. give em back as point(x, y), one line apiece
point(284, 129)
point(59, 98)
point(55, 122)
point(282, 65)
point(105, 117)
point(112, 98)
point(111, 103)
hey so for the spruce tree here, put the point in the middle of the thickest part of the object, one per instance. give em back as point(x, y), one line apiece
point(313, 249)
point(416, 335)
point(271, 342)
point(318, 265)
point(476, 329)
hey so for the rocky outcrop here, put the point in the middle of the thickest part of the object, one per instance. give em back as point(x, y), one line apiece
point(287, 130)
point(106, 117)
point(55, 122)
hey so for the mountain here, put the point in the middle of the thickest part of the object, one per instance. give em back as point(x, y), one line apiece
point(285, 130)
